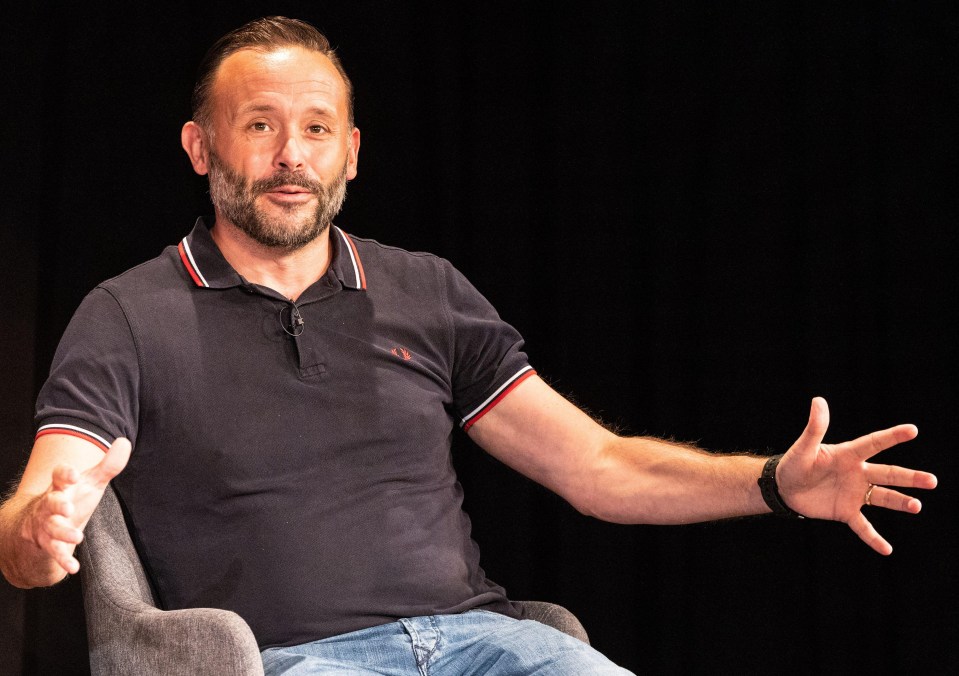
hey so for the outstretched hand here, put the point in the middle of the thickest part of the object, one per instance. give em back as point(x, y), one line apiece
point(58, 516)
point(835, 481)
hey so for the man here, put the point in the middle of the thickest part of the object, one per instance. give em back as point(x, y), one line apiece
point(290, 391)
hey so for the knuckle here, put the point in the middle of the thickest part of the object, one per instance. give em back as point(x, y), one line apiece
point(48, 526)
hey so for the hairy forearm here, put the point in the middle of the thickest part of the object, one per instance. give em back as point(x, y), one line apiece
point(647, 480)
point(23, 563)
point(621, 479)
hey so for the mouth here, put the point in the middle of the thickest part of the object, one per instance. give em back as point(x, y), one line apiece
point(290, 190)
point(289, 193)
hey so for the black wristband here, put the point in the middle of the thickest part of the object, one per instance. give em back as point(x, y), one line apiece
point(770, 490)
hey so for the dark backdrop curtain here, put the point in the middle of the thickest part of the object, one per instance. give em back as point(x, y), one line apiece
point(700, 215)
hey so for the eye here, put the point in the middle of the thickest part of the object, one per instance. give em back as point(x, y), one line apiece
point(260, 126)
point(317, 129)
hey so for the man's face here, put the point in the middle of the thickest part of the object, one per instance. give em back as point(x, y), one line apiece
point(295, 226)
point(281, 148)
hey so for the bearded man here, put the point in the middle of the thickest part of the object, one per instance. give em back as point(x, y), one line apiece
point(273, 400)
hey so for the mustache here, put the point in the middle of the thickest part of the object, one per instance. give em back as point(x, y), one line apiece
point(287, 178)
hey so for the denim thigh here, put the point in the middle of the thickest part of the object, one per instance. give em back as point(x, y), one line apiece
point(472, 643)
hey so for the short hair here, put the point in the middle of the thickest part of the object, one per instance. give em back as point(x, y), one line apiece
point(264, 35)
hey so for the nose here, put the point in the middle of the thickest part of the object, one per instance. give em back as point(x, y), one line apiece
point(290, 155)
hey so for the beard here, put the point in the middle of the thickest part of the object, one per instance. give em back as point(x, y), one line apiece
point(235, 198)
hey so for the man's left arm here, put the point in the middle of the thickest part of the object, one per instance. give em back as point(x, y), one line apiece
point(539, 433)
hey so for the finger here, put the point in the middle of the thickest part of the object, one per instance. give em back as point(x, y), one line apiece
point(60, 528)
point(891, 475)
point(56, 502)
point(871, 444)
point(860, 526)
point(63, 554)
point(63, 477)
point(890, 499)
point(811, 437)
point(113, 462)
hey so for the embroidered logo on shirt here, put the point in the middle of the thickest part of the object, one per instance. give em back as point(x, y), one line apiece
point(401, 352)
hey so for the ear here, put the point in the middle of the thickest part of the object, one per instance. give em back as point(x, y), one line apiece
point(195, 143)
point(353, 153)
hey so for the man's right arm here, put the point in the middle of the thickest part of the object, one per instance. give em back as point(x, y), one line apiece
point(42, 522)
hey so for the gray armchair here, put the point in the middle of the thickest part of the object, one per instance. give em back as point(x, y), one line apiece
point(128, 634)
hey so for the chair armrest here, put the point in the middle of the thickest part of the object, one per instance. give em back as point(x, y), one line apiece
point(145, 640)
point(555, 616)
point(128, 634)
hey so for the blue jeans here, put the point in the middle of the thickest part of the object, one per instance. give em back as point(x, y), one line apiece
point(477, 642)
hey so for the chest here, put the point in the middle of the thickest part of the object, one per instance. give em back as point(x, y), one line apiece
point(361, 385)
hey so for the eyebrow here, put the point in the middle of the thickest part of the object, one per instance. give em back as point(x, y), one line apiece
point(268, 108)
point(262, 108)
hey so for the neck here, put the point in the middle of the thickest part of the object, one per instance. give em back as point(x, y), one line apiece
point(287, 272)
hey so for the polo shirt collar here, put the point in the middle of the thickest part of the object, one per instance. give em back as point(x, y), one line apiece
point(207, 267)
point(346, 264)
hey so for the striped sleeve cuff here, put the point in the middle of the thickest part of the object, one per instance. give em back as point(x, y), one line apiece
point(497, 396)
point(88, 433)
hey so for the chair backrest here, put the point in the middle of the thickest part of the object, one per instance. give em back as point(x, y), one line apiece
point(108, 561)
point(115, 587)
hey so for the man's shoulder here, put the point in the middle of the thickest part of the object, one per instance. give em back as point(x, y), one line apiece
point(396, 263)
point(376, 250)
point(156, 274)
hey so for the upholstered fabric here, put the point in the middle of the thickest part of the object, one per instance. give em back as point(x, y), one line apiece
point(555, 616)
point(129, 635)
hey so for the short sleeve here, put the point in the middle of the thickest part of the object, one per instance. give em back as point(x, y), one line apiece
point(488, 357)
point(92, 389)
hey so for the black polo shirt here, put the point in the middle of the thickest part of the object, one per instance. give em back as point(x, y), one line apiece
point(297, 473)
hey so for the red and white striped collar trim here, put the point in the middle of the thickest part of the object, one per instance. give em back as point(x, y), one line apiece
point(353, 275)
point(346, 262)
point(189, 262)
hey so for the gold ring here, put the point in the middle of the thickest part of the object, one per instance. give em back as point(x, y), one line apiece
point(868, 499)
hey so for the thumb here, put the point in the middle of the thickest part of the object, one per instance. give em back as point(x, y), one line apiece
point(811, 437)
point(113, 462)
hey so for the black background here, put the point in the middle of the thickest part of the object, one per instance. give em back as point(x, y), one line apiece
point(699, 215)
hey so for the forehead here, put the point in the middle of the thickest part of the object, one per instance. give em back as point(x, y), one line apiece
point(283, 76)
